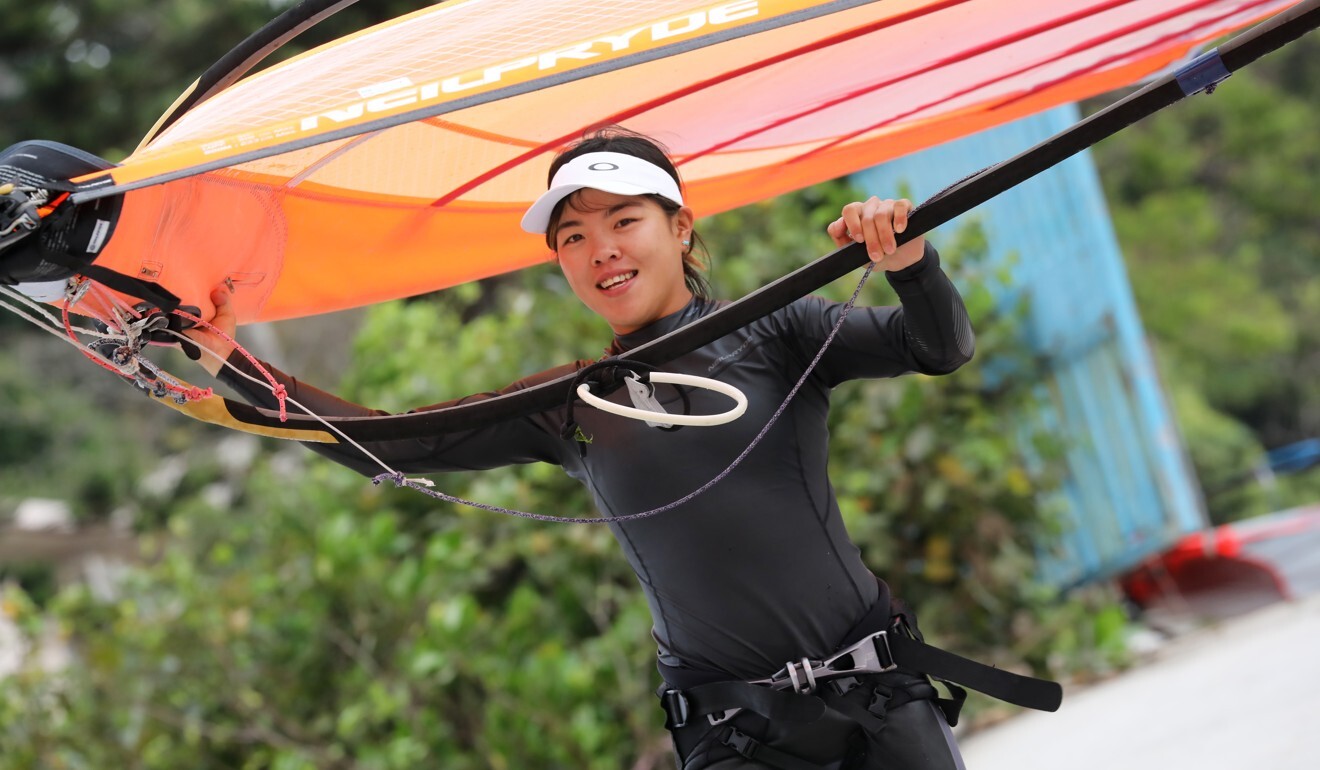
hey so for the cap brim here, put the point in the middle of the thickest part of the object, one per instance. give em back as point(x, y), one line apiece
point(537, 218)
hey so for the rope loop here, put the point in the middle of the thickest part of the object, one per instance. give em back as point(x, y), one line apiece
point(398, 478)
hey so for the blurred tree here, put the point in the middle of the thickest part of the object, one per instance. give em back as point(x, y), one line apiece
point(96, 74)
point(55, 441)
point(1215, 208)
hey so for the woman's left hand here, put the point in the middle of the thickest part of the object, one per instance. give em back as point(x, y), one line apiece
point(877, 223)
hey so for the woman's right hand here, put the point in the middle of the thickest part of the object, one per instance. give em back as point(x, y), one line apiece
point(208, 340)
point(877, 223)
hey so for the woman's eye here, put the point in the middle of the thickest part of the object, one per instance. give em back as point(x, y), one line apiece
point(574, 238)
point(624, 222)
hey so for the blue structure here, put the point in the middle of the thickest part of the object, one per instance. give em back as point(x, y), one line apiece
point(1130, 489)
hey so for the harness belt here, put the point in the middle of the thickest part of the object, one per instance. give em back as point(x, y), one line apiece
point(778, 698)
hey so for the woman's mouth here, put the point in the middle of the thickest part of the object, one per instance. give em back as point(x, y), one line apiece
point(616, 280)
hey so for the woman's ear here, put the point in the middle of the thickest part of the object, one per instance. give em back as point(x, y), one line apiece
point(684, 219)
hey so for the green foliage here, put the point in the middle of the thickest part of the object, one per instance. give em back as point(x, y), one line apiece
point(1215, 206)
point(326, 628)
point(1223, 452)
point(1208, 342)
point(36, 579)
point(97, 74)
point(54, 438)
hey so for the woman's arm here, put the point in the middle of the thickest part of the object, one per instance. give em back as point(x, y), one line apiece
point(507, 442)
point(929, 332)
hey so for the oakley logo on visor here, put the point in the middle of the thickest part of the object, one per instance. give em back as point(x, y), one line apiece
point(602, 167)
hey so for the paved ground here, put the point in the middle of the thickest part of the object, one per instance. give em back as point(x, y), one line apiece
point(1241, 693)
point(1297, 558)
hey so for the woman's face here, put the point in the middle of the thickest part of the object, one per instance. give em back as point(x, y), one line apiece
point(623, 257)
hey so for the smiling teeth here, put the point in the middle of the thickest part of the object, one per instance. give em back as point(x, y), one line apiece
point(618, 279)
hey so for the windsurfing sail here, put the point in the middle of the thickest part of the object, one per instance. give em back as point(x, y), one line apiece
point(295, 222)
point(398, 160)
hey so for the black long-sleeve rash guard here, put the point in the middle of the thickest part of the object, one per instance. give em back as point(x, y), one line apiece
point(759, 569)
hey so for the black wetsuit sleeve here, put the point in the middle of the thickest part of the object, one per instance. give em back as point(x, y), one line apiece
point(504, 442)
point(929, 332)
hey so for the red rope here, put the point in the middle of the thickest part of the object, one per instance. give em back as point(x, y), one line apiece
point(190, 393)
point(276, 388)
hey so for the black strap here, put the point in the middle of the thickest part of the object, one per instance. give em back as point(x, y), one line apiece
point(871, 719)
point(910, 654)
point(872, 722)
point(915, 655)
point(153, 293)
point(686, 706)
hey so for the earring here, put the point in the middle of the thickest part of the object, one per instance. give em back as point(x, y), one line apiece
point(686, 243)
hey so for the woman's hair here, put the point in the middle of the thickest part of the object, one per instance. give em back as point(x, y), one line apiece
point(621, 140)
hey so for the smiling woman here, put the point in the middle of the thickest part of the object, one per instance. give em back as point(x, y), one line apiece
point(758, 569)
point(620, 231)
point(625, 165)
point(622, 256)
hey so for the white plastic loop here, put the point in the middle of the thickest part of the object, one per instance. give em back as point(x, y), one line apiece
point(673, 378)
point(643, 397)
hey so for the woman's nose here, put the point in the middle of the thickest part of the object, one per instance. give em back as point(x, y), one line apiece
point(604, 252)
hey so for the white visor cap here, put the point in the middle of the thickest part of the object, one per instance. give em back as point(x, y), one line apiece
point(611, 172)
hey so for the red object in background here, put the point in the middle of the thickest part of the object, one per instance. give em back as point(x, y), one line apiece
point(1221, 558)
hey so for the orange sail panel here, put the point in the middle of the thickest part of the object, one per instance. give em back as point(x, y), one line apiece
point(399, 160)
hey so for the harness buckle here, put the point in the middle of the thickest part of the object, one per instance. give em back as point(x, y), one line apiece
point(870, 655)
point(676, 707)
point(740, 742)
point(807, 684)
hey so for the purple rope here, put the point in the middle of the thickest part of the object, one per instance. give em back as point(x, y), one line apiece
point(402, 481)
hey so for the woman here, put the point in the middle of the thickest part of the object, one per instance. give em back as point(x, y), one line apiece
point(759, 570)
